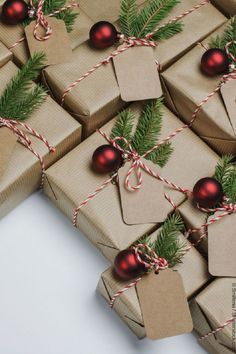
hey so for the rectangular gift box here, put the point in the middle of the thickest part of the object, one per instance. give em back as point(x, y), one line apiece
point(23, 172)
point(187, 86)
point(97, 98)
point(211, 309)
point(101, 220)
point(194, 274)
point(9, 35)
point(226, 6)
point(5, 54)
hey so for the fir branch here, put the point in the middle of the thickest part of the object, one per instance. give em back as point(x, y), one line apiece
point(128, 16)
point(161, 155)
point(223, 168)
point(168, 31)
point(151, 15)
point(229, 35)
point(148, 128)
point(50, 6)
point(18, 101)
point(225, 173)
point(168, 245)
point(123, 127)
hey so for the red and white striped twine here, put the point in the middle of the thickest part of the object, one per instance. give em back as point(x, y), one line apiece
point(41, 21)
point(130, 42)
point(147, 257)
point(218, 329)
point(24, 139)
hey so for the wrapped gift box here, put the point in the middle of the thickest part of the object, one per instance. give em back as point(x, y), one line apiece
point(193, 271)
point(101, 219)
point(5, 54)
point(187, 86)
point(97, 98)
point(226, 6)
point(23, 172)
point(210, 310)
point(9, 35)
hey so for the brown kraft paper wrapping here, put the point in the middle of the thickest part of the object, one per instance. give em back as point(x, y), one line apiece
point(211, 309)
point(226, 6)
point(5, 54)
point(187, 87)
point(194, 274)
point(97, 98)
point(9, 35)
point(23, 173)
point(101, 219)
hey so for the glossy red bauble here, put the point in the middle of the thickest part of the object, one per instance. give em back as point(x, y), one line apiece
point(127, 266)
point(214, 62)
point(208, 192)
point(106, 159)
point(14, 12)
point(103, 35)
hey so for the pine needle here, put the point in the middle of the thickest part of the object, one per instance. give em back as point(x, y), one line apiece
point(123, 127)
point(225, 173)
point(18, 101)
point(148, 128)
point(128, 16)
point(161, 155)
point(168, 31)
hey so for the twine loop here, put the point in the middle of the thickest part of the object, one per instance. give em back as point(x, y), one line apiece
point(148, 257)
point(41, 22)
point(22, 137)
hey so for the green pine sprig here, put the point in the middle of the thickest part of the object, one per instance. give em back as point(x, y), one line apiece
point(50, 6)
point(225, 173)
point(168, 244)
point(228, 36)
point(20, 99)
point(139, 23)
point(146, 133)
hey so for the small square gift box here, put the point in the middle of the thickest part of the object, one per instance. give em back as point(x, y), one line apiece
point(5, 54)
point(34, 133)
point(102, 78)
point(214, 316)
point(115, 213)
point(201, 87)
point(69, 24)
point(226, 6)
point(124, 296)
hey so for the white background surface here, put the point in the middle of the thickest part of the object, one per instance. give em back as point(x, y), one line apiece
point(48, 304)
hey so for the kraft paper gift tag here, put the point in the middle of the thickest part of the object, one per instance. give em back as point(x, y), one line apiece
point(146, 205)
point(7, 143)
point(57, 47)
point(164, 304)
point(137, 74)
point(228, 93)
point(222, 246)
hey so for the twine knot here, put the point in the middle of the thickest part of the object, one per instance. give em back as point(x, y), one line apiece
point(148, 257)
point(133, 41)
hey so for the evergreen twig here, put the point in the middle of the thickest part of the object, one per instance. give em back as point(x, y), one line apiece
point(123, 127)
point(228, 36)
point(140, 23)
point(20, 98)
point(225, 173)
point(168, 244)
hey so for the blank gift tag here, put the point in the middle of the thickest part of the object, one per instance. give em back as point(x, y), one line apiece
point(146, 205)
point(228, 92)
point(222, 246)
point(137, 74)
point(164, 304)
point(57, 47)
point(7, 144)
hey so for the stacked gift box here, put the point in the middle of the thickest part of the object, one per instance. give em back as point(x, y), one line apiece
point(109, 219)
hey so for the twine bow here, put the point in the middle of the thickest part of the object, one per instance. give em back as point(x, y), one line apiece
point(14, 125)
point(147, 257)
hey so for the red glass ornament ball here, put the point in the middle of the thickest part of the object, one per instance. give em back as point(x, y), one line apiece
point(214, 62)
point(106, 159)
point(208, 192)
point(14, 12)
point(103, 35)
point(127, 266)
